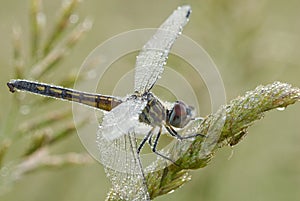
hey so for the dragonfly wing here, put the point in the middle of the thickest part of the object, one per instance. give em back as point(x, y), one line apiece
point(122, 119)
point(153, 56)
point(112, 134)
point(123, 168)
point(118, 153)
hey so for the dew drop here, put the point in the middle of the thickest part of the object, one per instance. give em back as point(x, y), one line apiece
point(74, 18)
point(231, 153)
point(172, 191)
point(41, 18)
point(280, 108)
point(87, 24)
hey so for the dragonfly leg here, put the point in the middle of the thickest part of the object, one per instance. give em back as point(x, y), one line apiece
point(155, 145)
point(175, 134)
point(148, 136)
point(150, 140)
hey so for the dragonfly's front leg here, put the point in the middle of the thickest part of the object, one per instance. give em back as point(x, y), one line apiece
point(180, 137)
point(148, 136)
point(155, 145)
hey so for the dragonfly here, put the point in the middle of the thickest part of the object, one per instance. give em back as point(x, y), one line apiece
point(124, 115)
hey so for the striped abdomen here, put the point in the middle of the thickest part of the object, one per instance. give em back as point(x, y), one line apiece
point(94, 100)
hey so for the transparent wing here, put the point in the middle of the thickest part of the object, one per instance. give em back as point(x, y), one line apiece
point(153, 56)
point(112, 137)
point(122, 119)
point(123, 167)
point(118, 153)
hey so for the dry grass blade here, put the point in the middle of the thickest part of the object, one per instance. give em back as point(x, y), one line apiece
point(46, 136)
point(78, 31)
point(61, 25)
point(38, 123)
point(18, 60)
point(42, 159)
point(68, 130)
point(38, 21)
point(36, 156)
point(4, 146)
point(60, 51)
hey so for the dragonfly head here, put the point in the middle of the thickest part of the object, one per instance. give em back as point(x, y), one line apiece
point(180, 114)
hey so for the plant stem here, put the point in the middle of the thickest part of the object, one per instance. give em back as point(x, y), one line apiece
point(238, 115)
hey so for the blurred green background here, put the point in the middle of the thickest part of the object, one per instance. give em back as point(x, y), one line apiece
point(252, 42)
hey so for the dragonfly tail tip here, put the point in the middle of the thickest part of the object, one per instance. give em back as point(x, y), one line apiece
point(11, 87)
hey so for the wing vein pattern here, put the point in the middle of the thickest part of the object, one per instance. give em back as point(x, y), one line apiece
point(152, 58)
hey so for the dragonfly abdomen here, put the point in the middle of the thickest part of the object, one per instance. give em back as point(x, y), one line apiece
point(94, 100)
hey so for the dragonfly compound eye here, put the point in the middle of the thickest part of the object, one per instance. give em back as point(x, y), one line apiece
point(180, 114)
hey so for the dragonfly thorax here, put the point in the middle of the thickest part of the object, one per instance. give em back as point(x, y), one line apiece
point(154, 114)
